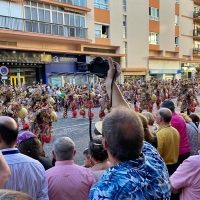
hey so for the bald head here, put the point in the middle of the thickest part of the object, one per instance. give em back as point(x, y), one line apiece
point(166, 114)
point(64, 149)
point(8, 121)
point(8, 131)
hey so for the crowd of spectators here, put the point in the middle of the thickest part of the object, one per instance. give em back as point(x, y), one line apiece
point(131, 156)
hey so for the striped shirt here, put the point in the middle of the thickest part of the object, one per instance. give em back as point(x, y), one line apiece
point(27, 175)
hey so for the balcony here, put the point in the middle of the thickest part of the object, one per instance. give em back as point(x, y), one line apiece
point(196, 14)
point(31, 26)
point(81, 3)
point(101, 6)
point(196, 51)
point(196, 32)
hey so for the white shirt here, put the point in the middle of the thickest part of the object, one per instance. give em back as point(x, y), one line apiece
point(27, 175)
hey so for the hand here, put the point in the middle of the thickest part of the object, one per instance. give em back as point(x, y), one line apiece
point(112, 67)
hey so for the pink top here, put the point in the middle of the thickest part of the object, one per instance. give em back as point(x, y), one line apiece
point(68, 181)
point(187, 178)
point(178, 123)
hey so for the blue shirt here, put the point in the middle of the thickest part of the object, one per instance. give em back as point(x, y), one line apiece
point(144, 178)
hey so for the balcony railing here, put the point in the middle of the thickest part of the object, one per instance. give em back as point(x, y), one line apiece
point(196, 50)
point(196, 32)
point(196, 14)
point(101, 6)
point(32, 26)
point(153, 18)
point(81, 3)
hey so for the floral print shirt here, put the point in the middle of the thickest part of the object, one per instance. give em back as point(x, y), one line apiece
point(144, 178)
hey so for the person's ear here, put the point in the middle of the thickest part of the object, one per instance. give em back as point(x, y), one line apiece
point(54, 155)
point(105, 143)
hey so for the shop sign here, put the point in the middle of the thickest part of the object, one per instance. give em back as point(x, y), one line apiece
point(64, 59)
point(179, 71)
point(163, 71)
point(21, 57)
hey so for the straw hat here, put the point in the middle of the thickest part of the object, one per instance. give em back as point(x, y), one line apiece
point(98, 126)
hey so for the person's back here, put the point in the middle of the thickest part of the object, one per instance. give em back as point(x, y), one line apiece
point(168, 139)
point(193, 134)
point(186, 179)
point(178, 123)
point(143, 178)
point(68, 181)
point(169, 147)
point(27, 174)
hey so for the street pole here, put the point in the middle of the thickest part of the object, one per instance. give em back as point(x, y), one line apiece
point(18, 77)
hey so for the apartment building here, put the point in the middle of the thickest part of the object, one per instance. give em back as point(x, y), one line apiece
point(44, 39)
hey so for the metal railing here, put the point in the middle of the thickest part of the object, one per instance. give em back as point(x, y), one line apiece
point(196, 32)
point(101, 6)
point(196, 14)
point(196, 50)
point(81, 3)
point(153, 18)
point(32, 26)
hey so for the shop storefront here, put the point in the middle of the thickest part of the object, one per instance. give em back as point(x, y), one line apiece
point(65, 66)
point(29, 65)
point(133, 74)
point(164, 69)
point(164, 74)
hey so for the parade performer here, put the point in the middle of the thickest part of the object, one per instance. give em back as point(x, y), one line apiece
point(147, 98)
point(187, 96)
point(105, 103)
point(41, 115)
point(10, 107)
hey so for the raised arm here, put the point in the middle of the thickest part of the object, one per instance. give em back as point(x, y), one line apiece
point(117, 97)
point(4, 171)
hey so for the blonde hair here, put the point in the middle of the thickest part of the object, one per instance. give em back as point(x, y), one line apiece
point(185, 117)
point(13, 195)
point(148, 135)
point(149, 117)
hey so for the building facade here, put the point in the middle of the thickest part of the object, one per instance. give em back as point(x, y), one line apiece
point(45, 39)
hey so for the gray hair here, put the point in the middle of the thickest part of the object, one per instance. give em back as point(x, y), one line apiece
point(11, 195)
point(64, 148)
point(124, 133)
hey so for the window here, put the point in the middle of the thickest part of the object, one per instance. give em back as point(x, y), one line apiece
point(101, 31)
point(11, 15)
point(154, 14)
point(124, 26)
point(176, 20)
point(102, 4)
point(124, 5)
point(176, 41)
point(54, 20)
point(153, 38)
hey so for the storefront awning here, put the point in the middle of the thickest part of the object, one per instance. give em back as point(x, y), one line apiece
point(70, 74)
point(135, 69)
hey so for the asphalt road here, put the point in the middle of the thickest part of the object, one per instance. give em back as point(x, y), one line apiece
point(78, 130)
